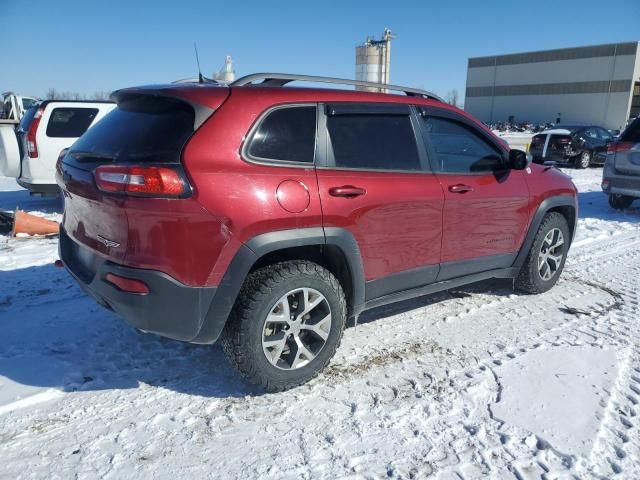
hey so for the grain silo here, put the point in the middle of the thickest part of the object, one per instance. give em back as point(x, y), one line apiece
point(373, 60)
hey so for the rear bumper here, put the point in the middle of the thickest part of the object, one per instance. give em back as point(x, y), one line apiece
point(170, 309)
point(613, 183)
point(40, 188)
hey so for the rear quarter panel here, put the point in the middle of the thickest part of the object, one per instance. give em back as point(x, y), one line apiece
point(241, 195)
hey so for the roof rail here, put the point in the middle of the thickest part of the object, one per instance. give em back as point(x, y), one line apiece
point(281, 79)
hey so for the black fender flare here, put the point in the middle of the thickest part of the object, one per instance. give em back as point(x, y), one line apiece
point(255, 248)
point(545, 206)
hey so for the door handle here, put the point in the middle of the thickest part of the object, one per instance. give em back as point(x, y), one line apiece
point(348, 191)
point(460, 188)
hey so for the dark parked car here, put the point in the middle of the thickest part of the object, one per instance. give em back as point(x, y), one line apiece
point(621, 173)
point(267, 216)
point(579, 145)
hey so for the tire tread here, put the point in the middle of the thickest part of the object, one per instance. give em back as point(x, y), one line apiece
point(528, 275)
point(257, 289)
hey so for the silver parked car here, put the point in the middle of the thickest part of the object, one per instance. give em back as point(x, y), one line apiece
point(621, 173)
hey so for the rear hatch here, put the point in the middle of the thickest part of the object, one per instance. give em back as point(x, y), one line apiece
point(627, 150)
point(558, 146)
point(134, 151)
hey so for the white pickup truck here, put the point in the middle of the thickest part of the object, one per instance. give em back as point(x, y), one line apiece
point(14, 106)
point(29, 149)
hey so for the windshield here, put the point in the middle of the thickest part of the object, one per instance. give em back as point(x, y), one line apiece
point(142, 129)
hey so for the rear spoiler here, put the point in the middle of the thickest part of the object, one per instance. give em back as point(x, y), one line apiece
point(203, 98)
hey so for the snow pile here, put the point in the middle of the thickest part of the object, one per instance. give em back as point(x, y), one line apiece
point(476, 382)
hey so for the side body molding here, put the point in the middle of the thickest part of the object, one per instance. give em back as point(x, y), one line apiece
point(257, 247)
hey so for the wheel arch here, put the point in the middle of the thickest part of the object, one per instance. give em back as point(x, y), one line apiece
point(563, 204)
point(333, 248)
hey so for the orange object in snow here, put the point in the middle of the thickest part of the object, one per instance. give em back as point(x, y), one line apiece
point(32, 225)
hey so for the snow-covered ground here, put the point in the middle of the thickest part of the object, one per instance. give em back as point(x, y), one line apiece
point(477, 382)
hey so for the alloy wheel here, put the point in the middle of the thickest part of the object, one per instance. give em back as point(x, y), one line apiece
point(551, 254)
point(296, 328)
point(585, 159)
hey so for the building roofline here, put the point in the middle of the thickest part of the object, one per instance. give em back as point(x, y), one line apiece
point(633, 42)
point(586, 51)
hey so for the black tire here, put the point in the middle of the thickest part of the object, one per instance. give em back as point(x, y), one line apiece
point(584, 159)
point(529, 278)
point(243, 334)
point(620, 202)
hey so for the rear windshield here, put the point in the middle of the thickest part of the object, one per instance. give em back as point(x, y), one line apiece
point(70, 122)
point(141, 129)
point(632, 133)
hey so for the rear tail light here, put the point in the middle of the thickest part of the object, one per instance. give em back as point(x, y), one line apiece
point(32, 146)
point(619, 147)
point(140, 180)
point(126, 284)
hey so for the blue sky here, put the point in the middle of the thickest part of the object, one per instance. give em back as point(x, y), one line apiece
point(87, 46)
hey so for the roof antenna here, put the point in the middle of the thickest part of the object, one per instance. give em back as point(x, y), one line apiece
point(200, 76)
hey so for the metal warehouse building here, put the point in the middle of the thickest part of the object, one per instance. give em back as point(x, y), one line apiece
point(598, 84)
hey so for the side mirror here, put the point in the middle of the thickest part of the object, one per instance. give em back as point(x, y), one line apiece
point(519, 160)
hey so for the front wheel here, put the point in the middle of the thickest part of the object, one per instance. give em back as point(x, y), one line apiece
point(286, 325)
point(584, 159)
point(545, 260)
point(620, 202)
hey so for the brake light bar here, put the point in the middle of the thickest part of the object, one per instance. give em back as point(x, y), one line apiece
point(32, 145)
point(151, 181)
point(619, 147)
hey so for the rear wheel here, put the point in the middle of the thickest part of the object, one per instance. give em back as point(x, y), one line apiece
point(545, 261)
point(584, 159)
point(286, 325)
point(620, 202)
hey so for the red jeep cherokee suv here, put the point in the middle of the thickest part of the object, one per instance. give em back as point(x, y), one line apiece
point(267, 215)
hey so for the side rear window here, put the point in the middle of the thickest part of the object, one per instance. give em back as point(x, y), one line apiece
point(70, 122)
point(286, 134)
point(373, 142)
point(458, 149)
point(632, 133)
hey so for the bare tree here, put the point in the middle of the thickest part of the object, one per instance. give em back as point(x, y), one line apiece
point(101, 95)
point(51, 94)
point(453, 97)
